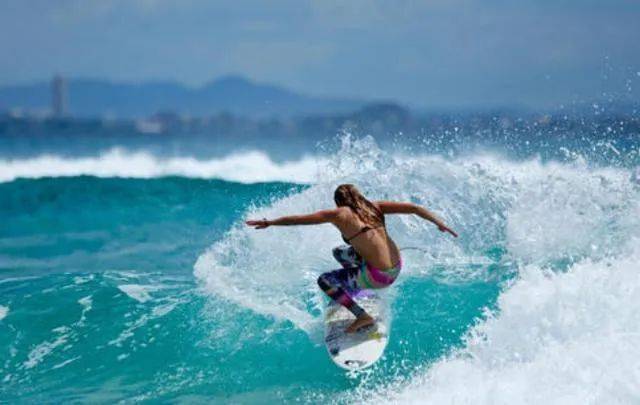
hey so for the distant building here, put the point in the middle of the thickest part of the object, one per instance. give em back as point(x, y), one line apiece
point(59, 96)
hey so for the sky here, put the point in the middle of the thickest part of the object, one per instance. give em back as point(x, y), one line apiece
point(431, 54)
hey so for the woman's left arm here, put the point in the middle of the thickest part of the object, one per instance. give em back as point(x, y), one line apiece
point(319, 217)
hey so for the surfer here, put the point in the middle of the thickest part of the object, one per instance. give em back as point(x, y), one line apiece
point(370, 260)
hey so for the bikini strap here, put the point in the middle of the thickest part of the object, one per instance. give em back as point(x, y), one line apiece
point(362, 230)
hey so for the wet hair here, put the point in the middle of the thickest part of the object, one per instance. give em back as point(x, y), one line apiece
point(347, 195)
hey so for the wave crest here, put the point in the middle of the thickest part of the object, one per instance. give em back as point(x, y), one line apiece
point(246, 167)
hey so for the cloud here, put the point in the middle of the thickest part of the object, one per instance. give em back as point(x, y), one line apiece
point(421, 52)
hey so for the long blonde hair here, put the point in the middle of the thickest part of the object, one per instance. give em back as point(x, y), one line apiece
point(347, 195)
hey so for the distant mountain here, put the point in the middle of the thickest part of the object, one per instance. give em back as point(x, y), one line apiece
point(232, 94)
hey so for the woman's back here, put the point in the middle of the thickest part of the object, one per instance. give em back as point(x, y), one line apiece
point(371, 241)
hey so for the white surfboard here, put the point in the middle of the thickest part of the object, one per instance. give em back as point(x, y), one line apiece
point(355, 351)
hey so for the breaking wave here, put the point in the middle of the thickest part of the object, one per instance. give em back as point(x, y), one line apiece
point(564, 328)
point(246, 167)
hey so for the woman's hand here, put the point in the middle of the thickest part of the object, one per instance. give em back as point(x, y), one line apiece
point(444, 228)
point(258, 224)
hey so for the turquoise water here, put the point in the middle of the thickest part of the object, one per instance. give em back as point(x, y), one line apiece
point(151, 289)
point(68, 244)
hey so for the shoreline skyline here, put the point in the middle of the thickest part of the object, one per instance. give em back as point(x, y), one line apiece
point(233, 94)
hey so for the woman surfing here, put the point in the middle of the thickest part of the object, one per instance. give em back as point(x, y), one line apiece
point(371, 259)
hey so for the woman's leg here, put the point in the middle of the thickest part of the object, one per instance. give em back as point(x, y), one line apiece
point(338, 284)
point(335, 284)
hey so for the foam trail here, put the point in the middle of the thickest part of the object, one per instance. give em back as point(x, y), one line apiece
point(559, 338)
point(247, 167)
point(3, 312)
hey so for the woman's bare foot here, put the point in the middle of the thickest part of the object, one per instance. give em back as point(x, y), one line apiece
point(362, 321)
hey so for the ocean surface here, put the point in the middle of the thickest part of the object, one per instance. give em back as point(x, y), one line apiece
point(128, 276)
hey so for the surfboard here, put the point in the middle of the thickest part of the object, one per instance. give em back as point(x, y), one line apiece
point(355, 351)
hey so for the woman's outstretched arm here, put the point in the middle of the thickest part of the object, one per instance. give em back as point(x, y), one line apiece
point(319, 217)
point(392, 207)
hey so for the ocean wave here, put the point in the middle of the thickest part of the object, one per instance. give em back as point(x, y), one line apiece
point(246, 167)
point(565, 338)
point(539, 214)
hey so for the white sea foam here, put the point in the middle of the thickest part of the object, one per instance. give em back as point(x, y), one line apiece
point(65, 363)
point(3, 312)
point(83, 279)
point(246, 167)
point(16, 279)
point(138, 292)
point(131, 326)
point(87, 304)
point(558, 338)
point(44, 349)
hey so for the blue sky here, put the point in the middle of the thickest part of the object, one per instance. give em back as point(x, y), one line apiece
point(455, 53)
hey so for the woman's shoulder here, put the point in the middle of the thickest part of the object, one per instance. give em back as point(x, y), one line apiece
point(345, 214)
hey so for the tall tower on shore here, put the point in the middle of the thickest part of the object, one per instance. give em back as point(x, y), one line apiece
point(59, 96)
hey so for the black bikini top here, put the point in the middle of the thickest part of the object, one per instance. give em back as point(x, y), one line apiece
point(360, 232)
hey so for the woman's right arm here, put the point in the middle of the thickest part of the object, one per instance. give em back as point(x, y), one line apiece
point(392, 207)
point(319, 217)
